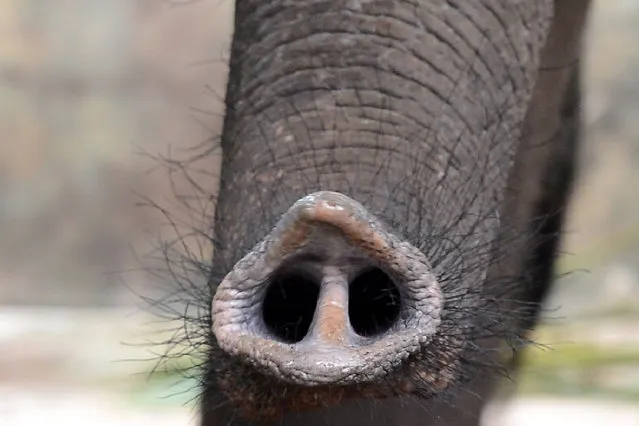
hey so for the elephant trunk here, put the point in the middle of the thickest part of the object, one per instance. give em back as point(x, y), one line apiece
point(410, 111)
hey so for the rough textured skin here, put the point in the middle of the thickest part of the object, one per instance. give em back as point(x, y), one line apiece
point(454, 123)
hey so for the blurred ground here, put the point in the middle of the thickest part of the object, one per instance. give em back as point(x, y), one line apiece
point(72, 365)
point(86, 84)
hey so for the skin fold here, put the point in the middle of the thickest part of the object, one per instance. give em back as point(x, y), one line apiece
point(434, 140)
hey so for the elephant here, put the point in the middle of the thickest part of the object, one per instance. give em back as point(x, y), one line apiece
point(393, 187)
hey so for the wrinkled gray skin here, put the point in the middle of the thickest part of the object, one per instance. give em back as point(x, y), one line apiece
point(445, 133)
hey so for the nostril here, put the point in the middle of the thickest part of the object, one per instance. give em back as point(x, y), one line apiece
point(373, 303)
point(330, 298)
point(289, 305)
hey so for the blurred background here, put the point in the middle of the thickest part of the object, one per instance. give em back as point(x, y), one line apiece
point(89, 87)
